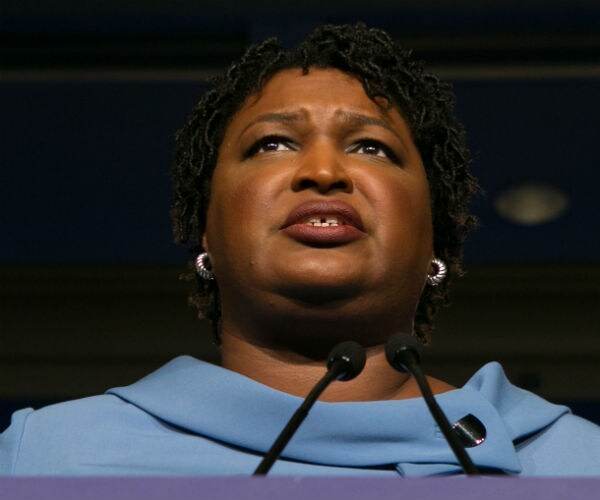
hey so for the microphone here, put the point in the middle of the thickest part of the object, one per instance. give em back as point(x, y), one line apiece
point(345, 361)
point(403, 352)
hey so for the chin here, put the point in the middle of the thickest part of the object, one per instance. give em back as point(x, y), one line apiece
point(325, 294)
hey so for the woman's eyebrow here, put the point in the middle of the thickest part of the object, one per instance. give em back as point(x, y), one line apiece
point(348, 117)
point(276, 118)
point(359, 119)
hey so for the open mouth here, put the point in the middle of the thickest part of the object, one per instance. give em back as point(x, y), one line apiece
point(324, 223)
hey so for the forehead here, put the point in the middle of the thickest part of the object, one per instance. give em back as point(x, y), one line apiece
point(323, 84)
point(320, 92)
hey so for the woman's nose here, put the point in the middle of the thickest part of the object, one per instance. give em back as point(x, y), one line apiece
point(322, 168)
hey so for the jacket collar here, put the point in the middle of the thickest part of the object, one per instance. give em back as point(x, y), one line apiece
point(222, 405)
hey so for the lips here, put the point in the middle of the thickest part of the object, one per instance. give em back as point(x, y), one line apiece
point(324, 223)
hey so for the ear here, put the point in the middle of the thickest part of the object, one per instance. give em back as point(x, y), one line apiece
point(204, 242)
point(430, 268)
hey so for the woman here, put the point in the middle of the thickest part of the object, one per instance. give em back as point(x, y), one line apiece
point(327, 189)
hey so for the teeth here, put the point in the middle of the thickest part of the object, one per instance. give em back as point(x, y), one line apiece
point(323, 221)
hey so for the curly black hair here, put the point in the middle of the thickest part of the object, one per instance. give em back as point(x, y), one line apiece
point(385, 70)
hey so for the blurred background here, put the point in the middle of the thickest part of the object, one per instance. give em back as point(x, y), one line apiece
point(91, 94)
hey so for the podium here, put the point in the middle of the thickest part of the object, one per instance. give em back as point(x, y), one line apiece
point(298, 488)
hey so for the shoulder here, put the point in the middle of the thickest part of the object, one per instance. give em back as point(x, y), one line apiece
point(149, 427)
point(549, 439)
point(570, 446)
point(38, 441)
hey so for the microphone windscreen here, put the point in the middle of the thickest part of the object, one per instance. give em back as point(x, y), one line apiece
point(398, 346)
point(351, 356)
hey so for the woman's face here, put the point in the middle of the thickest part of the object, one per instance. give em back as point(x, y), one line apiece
point(319, 204)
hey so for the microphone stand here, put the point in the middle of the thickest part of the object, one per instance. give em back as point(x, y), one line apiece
point(453, 440)
point(345, 362)
point(403, 354)
point(293, 424)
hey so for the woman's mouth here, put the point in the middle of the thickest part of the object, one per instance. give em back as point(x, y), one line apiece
point(324, 223)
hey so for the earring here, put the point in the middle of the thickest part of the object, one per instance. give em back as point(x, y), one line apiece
point(201, 267)
point(439, 272)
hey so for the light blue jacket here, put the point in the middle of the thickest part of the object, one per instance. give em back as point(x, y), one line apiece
point(193, 418)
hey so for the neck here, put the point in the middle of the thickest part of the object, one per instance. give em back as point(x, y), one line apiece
point(296, 374)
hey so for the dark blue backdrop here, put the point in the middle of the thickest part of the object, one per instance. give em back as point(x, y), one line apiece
point(85, 168)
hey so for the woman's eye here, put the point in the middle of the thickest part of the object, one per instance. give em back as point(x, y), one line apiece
point(270, 144)
point(373, 148)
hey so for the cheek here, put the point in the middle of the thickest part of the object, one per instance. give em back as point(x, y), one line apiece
point(403, 219)
point(410, 242)
point(240, 207)
point(227, 204)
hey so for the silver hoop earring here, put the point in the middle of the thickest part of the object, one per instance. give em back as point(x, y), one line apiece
point(440, 272)
point(202, 261)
